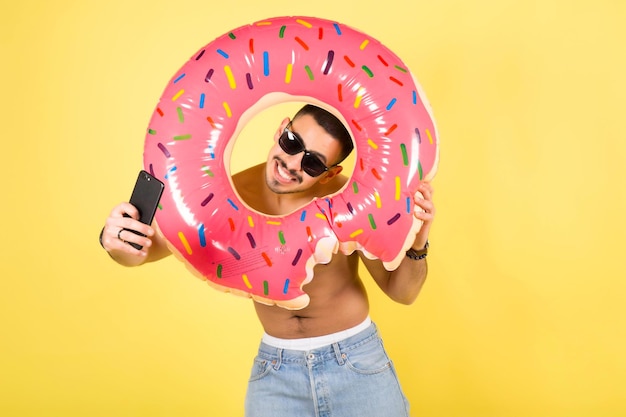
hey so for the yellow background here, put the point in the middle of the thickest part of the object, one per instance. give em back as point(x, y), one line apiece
point(523, 312)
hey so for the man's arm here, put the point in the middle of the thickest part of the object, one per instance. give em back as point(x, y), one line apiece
point(114, 238)
point(403, 284)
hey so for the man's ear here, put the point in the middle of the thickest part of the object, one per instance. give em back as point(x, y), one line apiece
point(281, 128)
point(331, 173)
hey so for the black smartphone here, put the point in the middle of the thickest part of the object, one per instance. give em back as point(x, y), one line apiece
point(145, 197)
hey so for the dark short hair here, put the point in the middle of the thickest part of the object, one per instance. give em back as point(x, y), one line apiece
point(331, 124)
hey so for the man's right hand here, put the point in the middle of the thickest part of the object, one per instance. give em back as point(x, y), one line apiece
point(117, 233)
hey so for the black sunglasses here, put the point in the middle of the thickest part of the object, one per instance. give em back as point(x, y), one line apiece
point(292, 144)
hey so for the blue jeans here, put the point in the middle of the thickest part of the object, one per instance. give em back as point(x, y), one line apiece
point(351, 378)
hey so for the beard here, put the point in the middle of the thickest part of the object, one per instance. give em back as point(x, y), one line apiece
point(278, 187)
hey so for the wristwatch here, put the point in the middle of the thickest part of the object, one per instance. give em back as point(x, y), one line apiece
point(418, 254)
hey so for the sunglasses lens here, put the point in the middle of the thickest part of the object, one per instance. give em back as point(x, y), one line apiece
point(290, 143)
point(312, 165)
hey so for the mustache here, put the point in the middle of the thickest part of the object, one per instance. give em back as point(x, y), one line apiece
point(292, 172)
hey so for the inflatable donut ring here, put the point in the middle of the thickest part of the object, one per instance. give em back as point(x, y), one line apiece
point(207, 103)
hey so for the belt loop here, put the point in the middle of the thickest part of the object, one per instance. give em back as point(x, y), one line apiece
point(338, 355)
point(279, 359)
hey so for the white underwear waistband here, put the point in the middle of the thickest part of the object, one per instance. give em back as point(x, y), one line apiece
point(310, 343)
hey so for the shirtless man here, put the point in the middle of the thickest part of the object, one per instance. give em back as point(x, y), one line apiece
point(326, 359)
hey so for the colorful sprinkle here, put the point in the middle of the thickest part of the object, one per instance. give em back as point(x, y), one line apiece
point(379, 203)
point(419, 168)
point(281, 33)
point(273, 223)
point(249, 81)
point(170, 171)
point(229, 113)
point(211, 122)
point(231, 224)
point(251, 45)
point(368, 71)
point(376, 174)
point(372, 144)
point(202, 97)
point(200, 54)
point(234, 253)
point(329, 62)
point(151, 132)
point(207, 171)
point(430, 138)
point(208, 75)
point(181, 115)
point(419, 137)
point(158, 110)
point(288, 73)
point(182, 137)
point(164, 150)
point(302, 43)
point(309, 72)
point(267, 259)
point(286, 286)
point(339, 93)
point(355, 187)
point(222, 53)
point(180, 77)
point(405, 156)
point(372, 222)
point(391, 129)
point(250, 221)
point(232, 204)
point(281, 237)
point(349, 61)
point(320, 34)
point(251, 240)
point(398, 188)
point(266, 63)
point(397, 81)
point(304, 23)
point(337, 29)
point(230, 76)
point(356, 233)
point(207, 200)
point(303, 216)
point(399, 68)
point(321, 216)
point(408, 204)
point(414, 97)
point(381, 59)
point(201, 235)
point(246, 282)
point(219, 271)
point(391, 103)
point(359, 97)
point(177, 95)
point(296, 258)
point(265, 288)
point(183, 240)
point(309, 233)
point(232, 35)
point(364, 44)
point(393, 219)
point(350, 208)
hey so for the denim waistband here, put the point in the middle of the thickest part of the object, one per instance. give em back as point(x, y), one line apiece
point(333, 351)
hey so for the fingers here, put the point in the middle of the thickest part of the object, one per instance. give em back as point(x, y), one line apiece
point(119, 230)
point(424, 207)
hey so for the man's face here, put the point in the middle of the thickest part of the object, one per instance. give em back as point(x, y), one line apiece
point(284, 173)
